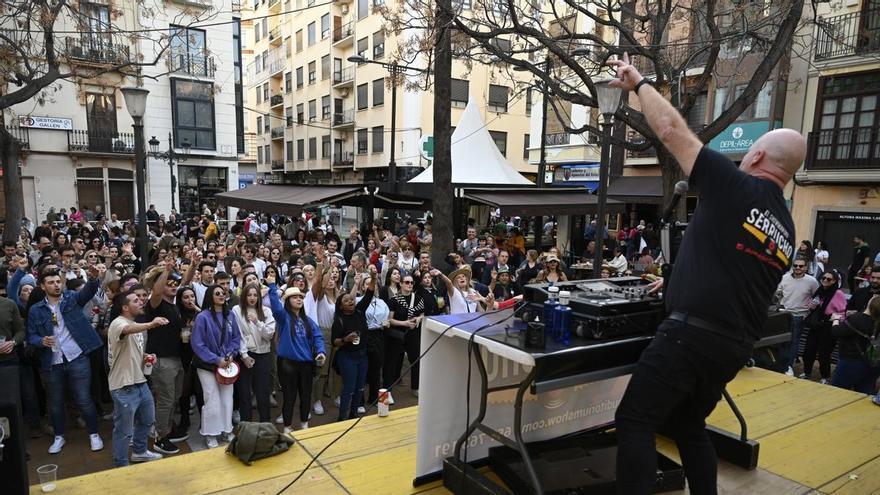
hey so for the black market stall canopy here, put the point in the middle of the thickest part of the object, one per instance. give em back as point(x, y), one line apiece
point(289, 199)
point(637, 189)
point(540, 202)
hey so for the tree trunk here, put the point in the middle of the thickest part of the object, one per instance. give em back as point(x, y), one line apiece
point(443, 241)
point(10, 150)
point(671, 175)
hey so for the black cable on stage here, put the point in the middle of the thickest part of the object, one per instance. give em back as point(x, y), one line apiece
point(373, 404)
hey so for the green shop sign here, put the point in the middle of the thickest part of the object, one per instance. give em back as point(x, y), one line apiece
point(739, 136)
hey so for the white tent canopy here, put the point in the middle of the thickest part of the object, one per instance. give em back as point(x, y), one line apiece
point(475, 158)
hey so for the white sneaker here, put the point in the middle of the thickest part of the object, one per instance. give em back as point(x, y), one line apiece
point(272, 401)
point(337, 401)
point(318, 408)
point(789, 371)
point(57, 445)
point(96, 442)
point(304, 426)
point(824, 381)
point(361, 410)
point(287, 430)
point(147, 456)
point(211, 442)
point(236, 417)
point(279, 420)
point(803, 376)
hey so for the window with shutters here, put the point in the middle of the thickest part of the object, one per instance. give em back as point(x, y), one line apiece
point(378, 139)
point(288, 146)
point(526, 147)
point(259, 154)
point(299, 41)
point(500, 139)
point(361, 141)
point(696, 117)
point(325, 146)
point(379, 92)
point(259, 125)
point(265, 91)
point(313, 148)
point(266, 124)
point(300, 149)
point(312, 72)
point(288, 116)
point(325, 107)
point(378, 45)
point(325, 26)
point(529, 101)
point(313, 110)
point(299, 77)
point(259, 94)
point(363, 8)
point(312, 35)
point(362, 47)
point(459, 93)
point(256, 32)
point(300, 113)
point(362, 97)
point(498, 98)
point(325, 67)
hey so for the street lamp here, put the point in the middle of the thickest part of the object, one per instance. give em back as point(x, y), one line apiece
point(608, 98)
point(170, 156)
point(394, 70)
point(136, 103)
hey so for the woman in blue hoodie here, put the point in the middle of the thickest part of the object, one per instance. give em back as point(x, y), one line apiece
point(215, 341)
point(300, 345)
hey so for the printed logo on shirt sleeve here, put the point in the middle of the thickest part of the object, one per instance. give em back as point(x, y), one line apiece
point(774, 238)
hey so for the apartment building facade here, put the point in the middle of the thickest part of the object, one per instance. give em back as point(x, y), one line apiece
point(79, 142)
point(319, 118)
point(834, 91)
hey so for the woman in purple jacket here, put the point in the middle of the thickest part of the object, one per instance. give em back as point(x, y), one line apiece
point(215, 341)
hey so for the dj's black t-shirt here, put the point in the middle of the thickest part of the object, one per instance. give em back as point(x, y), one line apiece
point(735, 250)
point(164, 341)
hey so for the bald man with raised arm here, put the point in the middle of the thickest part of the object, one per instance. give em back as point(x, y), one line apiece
point(737, 247)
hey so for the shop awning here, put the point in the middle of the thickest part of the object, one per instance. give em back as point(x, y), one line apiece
point(648, 189)
point(289, 199)
point(534, 202)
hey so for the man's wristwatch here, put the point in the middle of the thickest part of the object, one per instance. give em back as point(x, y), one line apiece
point(644, 80)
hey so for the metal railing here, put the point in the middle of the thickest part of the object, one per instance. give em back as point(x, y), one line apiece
point(343, 118)
point(841, 149)
point(676, 55)
point(344, 159)
point(277, 132)
point(276, 100)
point(194, 64)
point(558, 139)
point(97, 50)
point(21, 135)
point(848, 34)
point(343, 76)
point(343, 31)
point(275, 34)
point(277, 164)
point(100, 142)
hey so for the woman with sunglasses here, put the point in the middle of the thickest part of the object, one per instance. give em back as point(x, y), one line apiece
point(407, 309)
point(189, 309)
point(216, 340)
point(552, 271)
point(349, 336)
point(828, 301)
point(276, 261)
point(257, 326)
point(300, 345)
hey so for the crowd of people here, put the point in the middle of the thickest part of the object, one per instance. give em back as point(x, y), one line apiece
point(302, 311)
point(306, 315)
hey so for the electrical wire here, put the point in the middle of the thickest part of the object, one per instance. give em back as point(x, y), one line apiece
point(373, 404)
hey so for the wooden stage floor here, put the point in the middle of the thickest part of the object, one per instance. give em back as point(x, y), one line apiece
point(814, 439)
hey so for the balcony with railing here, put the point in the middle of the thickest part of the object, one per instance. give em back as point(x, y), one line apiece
point(275, 35)
point(343, 78)
point(203, 4)
point(96, 50)
point(344, 35)
point(344, 118)
point(276, 100)
point(250, 148)
point(855, 148)
point(277, 165)
point(277, 62)
point(21, 135)
point(678, 54)
point(278, 132)
point(842, 35)
point(79, 141)
point(274, 5)
point(194, 64)
point(344, 159)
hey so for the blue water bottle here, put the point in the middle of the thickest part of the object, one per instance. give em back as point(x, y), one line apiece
point(549, 312)
point(562, 318)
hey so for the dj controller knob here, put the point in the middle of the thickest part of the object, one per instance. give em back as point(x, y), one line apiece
point(527, 316)
point(580, 330)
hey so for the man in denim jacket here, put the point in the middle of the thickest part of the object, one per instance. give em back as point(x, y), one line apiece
point(64, 336)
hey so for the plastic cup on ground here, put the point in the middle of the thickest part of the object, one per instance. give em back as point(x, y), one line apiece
point(48, 474)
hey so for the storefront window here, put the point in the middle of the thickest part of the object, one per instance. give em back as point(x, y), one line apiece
point(198, 185)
